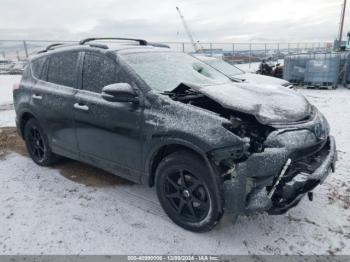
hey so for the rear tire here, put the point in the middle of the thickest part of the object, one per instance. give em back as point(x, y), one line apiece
point(186, 192)
point(37, 144)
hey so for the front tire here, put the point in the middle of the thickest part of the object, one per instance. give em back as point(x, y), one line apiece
point(37, 144)
point(186, 192)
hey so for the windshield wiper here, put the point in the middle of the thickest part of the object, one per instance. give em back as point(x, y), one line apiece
point(182, 92)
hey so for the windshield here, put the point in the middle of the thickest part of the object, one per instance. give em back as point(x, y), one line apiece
point(164, 71)
point(224, 67)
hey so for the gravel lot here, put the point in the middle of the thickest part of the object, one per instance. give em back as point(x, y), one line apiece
point(73, 208)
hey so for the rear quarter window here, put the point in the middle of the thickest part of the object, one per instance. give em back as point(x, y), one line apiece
point(37, 67)
point(26, 73)
point(63, 69)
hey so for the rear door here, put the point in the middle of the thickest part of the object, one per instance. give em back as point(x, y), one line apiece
point(108, 133)
point(52, 101)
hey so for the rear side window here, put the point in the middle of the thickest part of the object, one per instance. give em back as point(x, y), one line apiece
point(63, 69)
point(26, 73)
point(98, 72)
point(38, 68)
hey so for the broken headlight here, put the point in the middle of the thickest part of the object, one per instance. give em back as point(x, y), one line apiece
point(228, 156)
point(253, 133)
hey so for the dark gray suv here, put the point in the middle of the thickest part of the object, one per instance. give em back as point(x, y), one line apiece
point(159, 117)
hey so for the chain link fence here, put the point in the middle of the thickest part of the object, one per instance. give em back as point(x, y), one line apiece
point(13, 51)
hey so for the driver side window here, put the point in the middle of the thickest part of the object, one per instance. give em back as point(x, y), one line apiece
point(98, 72)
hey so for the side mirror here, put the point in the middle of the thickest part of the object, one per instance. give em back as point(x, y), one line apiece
point(120, 92)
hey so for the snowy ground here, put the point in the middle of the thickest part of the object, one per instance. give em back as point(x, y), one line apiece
point(7, 116)
point(72, 208)
point(6, 84)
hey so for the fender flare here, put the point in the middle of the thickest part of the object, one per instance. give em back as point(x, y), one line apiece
point(19, 119)
point(147, 177)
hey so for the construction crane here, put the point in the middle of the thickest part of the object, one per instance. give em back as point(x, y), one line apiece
point(197, 47)
point(341, 24)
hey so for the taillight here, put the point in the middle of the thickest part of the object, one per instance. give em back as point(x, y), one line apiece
point(15, 86)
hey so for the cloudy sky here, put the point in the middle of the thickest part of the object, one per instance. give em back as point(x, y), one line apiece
point(157, 20)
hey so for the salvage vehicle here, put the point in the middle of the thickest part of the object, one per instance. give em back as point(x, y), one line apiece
point(236, 73)
point(163, 118)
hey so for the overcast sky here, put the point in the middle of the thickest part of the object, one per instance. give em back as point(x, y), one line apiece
point(157, 20)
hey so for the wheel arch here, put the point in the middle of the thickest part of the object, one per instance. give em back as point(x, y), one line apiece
point(23, 119)
point(164, 149)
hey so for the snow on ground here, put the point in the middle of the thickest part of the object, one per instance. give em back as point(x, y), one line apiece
point(72, 208)
point(6, 84)
point(7, 118)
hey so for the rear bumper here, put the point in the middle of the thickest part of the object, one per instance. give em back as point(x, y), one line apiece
point(245, 194)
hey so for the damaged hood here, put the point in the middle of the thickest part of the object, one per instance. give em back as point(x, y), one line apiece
point(250, 78)
point(270, 104)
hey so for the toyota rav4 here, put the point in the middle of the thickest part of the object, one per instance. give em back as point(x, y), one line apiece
point(163, 118)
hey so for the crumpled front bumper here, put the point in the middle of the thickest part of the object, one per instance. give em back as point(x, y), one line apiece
point(292, 191)
point(249, 191)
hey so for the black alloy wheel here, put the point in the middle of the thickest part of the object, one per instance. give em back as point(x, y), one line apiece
point(187, 195)
point(186, 191)
point(37, 144)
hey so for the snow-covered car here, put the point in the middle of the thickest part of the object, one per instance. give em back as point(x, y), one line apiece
point(160, 117)
point(235, 73)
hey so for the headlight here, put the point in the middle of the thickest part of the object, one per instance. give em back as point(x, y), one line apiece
point(229, 154)
point(322, 128)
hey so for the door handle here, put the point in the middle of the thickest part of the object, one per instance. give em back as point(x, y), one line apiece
point(81, 107)
point(37, 97)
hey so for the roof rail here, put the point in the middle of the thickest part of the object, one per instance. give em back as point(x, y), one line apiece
point(141, 41)
point(158, 44)
point(97, 45)
point(50, 47)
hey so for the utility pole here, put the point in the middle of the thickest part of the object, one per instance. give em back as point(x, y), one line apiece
point(341, 25)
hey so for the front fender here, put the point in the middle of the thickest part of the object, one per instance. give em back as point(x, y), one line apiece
point(152, 147)
point(161, 141)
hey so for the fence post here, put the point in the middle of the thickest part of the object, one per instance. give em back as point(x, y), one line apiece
point(288, 48)
point(183, 47)
point(250, 54)
point(265, 50)
point(211, 49)
point(25, 48)
point(233, 49)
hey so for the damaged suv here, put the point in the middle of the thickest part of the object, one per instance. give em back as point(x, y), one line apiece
point(163, 118)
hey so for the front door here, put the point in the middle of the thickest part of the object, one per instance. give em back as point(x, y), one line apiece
point(108, 133)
